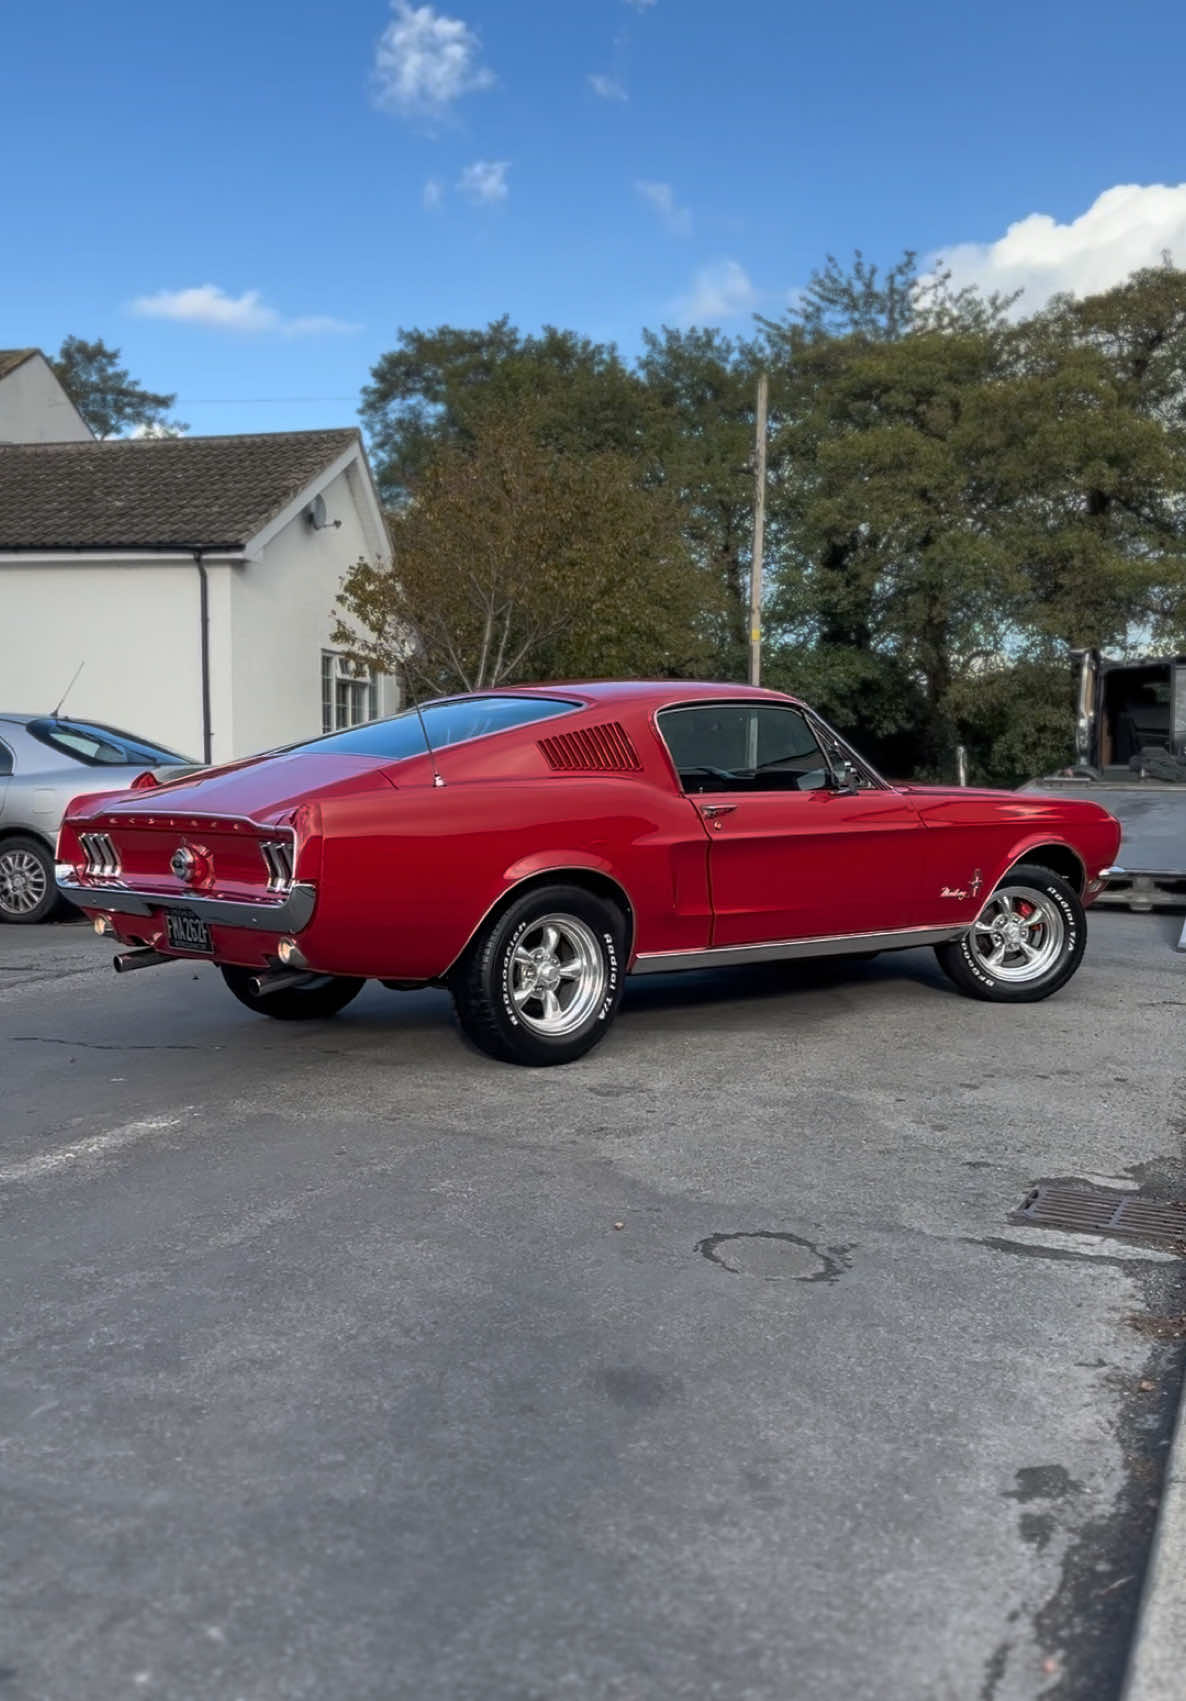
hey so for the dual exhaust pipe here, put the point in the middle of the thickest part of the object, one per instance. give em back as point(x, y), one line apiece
point(261, 985)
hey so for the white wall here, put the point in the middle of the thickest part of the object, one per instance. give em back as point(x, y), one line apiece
point(282, 612)
point(34, 408)
point(135, 625)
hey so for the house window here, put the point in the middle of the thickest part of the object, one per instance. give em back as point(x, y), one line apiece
point(349, 693)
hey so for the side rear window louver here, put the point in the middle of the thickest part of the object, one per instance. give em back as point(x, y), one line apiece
point(604, 749)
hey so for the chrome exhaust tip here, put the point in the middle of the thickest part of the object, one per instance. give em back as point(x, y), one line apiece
point(147, 958)
point(263, 985)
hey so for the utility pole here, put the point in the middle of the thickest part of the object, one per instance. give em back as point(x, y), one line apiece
point(755, 581)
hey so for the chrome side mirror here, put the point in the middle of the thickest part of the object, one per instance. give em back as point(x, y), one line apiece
point(845, 775)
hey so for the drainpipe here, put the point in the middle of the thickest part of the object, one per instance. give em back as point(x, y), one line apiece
point(204, 625)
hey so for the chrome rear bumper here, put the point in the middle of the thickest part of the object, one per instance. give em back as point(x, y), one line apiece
point(284, 915)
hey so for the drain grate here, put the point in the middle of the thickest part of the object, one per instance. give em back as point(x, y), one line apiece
point(1101, 1210)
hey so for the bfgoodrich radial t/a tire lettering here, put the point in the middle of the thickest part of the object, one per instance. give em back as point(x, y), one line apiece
point(1025, 944)
point(541, 983)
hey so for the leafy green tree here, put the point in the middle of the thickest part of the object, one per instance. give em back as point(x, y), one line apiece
point(1093, 465)
point(959, 493)
point(1014, 718)
point(701, 387)
point(516, 561)
point(891, 581)
point(106, 395)
point(436, 387)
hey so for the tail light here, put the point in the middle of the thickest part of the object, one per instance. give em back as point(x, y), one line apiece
point(277, 855)
point(147, 781)
point(102, 858)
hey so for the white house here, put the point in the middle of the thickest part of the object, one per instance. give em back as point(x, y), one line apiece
point(34, 408)
point(193, 579)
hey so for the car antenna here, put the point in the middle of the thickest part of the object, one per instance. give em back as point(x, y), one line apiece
point(432, 756)
point(54, 713)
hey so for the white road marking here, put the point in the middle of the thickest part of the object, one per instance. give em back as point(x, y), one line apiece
point(94, 1146)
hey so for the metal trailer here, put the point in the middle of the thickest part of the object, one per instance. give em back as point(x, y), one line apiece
point(1130, 749)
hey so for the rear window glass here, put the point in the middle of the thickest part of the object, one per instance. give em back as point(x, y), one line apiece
point(99, 746)
point(446, 723)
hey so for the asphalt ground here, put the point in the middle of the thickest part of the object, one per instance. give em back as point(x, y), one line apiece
point(328, 1371)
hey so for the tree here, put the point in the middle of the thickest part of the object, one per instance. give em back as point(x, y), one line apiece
point(515, 561)
point(105, 393)
point(1094, 464)
point(436, 387)
point(892, 579)
point(699, 444)
point(959, 493)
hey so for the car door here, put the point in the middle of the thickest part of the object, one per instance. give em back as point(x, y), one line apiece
point(791, 855)
point(5, 772)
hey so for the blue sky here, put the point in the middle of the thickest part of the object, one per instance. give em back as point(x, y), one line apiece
point(250, 198)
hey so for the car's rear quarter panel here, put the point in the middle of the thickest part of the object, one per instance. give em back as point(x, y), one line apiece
point(401, 891)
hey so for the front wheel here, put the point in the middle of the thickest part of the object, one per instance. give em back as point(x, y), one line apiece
point(1025, 944)
point(322, 997)
point(541, 983)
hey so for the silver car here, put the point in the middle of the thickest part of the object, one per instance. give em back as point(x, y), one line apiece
point(45, 760)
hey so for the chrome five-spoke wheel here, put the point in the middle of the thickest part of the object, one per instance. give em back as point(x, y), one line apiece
point(541, 980)
point(557, 975)
point(1026, 942)
point(1018, 935)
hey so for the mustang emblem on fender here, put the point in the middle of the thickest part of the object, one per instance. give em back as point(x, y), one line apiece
point(960, 892)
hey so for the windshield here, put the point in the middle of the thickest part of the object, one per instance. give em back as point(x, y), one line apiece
point(446, 723)
point(100, 746)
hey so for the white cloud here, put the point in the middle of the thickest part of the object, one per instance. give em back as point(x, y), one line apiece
point(609, 88)
point(720, 291)
point(1124, 228)
point(485, 181)
point(434, 193)
point(425, 61)
point(210, 305)
point(661, 196)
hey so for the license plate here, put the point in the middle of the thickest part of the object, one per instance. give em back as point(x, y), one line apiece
point(188, 932)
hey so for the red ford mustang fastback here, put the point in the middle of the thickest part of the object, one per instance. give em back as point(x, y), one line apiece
point(529, 848)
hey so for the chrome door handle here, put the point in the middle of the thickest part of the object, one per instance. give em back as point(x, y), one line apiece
point(712, 810)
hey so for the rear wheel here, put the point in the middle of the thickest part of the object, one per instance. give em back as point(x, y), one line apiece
point(322, 997)
point(28, 892)
point(1025, 944)
point(541, 983)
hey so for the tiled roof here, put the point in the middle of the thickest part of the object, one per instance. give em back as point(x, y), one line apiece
point(163, 493)
point(11, 358)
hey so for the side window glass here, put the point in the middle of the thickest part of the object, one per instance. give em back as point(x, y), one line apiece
point(743, 747)
point(5, 760)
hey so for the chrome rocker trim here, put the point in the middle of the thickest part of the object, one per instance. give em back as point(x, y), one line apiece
point(823, 945)
point(290, 915)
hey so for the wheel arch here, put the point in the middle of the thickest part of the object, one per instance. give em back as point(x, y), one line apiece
point(1055, 855)
point(19, 832)
point(594, 880)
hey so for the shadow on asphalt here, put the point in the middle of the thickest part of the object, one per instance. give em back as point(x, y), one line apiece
point(778, 980)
